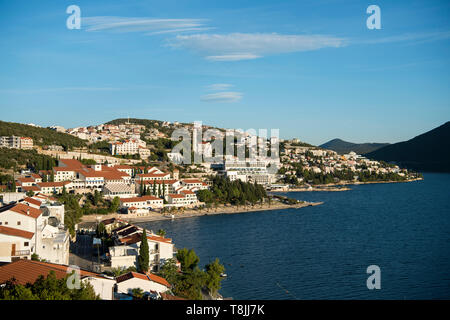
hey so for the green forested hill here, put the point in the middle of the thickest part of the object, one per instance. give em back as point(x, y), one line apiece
point(343, 147)
point(41, 136)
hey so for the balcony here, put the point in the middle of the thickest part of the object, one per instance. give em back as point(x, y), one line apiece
point(19, 253)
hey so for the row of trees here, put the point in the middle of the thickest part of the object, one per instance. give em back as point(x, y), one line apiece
point(235, 192)
point(13, 158)
point(344, 175)
point(152, 189)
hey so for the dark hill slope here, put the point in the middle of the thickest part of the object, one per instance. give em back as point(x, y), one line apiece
point(427, 152)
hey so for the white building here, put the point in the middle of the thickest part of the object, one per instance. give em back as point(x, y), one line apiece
point(143, 202)
point(147, 282)
point(28, 228)
point(124, 148)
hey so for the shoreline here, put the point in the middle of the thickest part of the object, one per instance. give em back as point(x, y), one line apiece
point(153, 216)
point(341, 186)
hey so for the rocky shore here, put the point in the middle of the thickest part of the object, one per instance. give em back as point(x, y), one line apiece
point(189, 213)
point(341, 186)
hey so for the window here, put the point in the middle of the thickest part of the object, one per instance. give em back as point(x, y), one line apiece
point(18, 223)
point(26, 244)
point(6, 222)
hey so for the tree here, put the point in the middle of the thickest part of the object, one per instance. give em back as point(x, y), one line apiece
point(138, 293)
point(213, 276)
point(115, 204)
point(169, 271)
point(97, 198)
point(143, 258)
point(188, 259)
point(161, 232)
point(101, 230)
point(191, 284)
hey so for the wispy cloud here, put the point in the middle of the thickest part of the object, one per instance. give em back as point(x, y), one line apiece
point(228, 96)
point(149, 25)
point(62, 89)
point(180, 30)
point(219, 86)
point(246, 46)
point(409, 37)
point(233, 57)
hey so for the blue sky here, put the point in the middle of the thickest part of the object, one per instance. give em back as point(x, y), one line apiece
point(310, 68)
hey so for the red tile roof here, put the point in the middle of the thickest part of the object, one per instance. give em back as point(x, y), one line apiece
point(123, 166)
point(139, 199)
point(53, 184)
point(167, 181)
point(25, 209)
point(178, 196)
point(73, 163)
point(30, 188)
point(152, 175)
point(147, 277)
point(33, 201)
point(166, 296)
point(192, 181)
point(136, 237)
point(27, 271)
point(107, 173)
point(16, 232)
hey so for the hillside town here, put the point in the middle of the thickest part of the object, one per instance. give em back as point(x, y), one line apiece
point(41, 206)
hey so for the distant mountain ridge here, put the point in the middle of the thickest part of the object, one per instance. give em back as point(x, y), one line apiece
point(429, 151)
point(342, 147)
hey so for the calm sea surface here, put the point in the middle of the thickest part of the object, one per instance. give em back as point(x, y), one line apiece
point(323, 252)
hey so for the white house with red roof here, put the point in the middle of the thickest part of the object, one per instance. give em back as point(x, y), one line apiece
point(143, 202)
point(15, 244)
point(125, 168)
point(123, 148)
point(25, 229)
point(153, 176)
point(184, 198)
point(194, 184)
point(49, 188)
point(28, 271)
point(149, 283)
point(160, 250)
